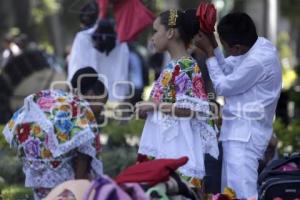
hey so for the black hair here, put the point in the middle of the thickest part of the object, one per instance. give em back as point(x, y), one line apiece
point(89, 14)
point(89, 81)
point(237, 28)
point(186, 22)
point(104, 37)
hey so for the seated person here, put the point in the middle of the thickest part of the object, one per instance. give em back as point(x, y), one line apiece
point(56, 136)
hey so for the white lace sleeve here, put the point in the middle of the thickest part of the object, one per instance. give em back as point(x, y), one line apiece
point(10, 127)
point(193, 103)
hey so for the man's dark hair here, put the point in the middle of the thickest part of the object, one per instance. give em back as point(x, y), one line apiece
point(89, 14)
point(88, 81)
point(237, 28)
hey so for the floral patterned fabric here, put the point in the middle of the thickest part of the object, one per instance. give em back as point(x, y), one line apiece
point(181, 77)
point(48, 131)
point(167, 136)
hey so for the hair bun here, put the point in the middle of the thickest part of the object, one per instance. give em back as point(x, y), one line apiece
point(190, 22)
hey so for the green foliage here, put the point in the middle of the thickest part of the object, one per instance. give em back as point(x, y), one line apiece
point(117, 131)
point(44, 8)
point(11, 167)
point(117, 154)
point(3, 143)
point(289, 75)
point(117, 159)
point(288, 136)
point(290, 9)
point(2, 183)
point(14, 192)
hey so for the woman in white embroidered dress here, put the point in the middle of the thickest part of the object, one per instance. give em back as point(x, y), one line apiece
point(177, 121)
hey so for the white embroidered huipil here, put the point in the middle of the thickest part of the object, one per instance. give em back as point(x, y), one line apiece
point(251, 85)
point(168, 136)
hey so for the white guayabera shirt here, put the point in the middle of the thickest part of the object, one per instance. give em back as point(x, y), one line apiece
point(251, 84)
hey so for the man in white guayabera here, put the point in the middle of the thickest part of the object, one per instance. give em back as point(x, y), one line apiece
point(250, 81)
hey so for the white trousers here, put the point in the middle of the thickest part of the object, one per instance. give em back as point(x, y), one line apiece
point(240, 164)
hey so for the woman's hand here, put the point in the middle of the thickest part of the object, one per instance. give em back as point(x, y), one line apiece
point(143, 107)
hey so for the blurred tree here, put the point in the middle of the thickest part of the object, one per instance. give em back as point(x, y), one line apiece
point(290, 9)
point(289, 137)
point(286, 55)
point(21, 13)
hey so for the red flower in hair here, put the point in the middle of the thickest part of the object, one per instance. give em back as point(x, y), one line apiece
point(207, 15)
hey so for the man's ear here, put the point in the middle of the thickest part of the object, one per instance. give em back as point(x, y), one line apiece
point(170, 33)
point(240, 49)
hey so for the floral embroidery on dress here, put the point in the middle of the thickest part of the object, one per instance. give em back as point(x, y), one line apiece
point(169, 136)
point(182, 77)
point(46, 154)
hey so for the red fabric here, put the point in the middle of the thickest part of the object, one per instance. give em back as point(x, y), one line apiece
point(151, 172)
point(103, 8)
point(207, 15)
point(132, 17)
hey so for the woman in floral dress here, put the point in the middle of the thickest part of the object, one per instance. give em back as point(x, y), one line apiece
point(56, 136)
point(177, 121)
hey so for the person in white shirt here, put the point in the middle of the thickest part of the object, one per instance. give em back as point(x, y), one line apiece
point(82, 50)
point(250, 81)
point(92, 47)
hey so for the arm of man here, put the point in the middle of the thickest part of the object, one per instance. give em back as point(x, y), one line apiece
point(226, 66)
point(223, 62)
point(248, 73)
point(241, 80)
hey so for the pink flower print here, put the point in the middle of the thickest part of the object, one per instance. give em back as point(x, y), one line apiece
point(182, 83)
point(157, 95)
point(32, 149)
point(198, 87)
point(45, 103)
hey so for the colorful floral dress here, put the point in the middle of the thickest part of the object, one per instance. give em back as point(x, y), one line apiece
point(167, 136)
point(48, 131)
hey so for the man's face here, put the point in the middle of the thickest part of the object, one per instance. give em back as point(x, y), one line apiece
point(234, 50)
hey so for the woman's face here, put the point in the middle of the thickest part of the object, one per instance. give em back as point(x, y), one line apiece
point(159, 37)
point(97, 104)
